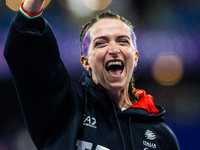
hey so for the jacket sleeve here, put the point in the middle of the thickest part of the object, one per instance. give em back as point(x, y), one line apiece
point(41, 80)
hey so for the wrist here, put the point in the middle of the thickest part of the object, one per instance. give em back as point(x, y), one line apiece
point(28, 15)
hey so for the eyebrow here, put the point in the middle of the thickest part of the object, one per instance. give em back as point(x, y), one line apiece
point(123, 36)
point(106, 38)
point(101, 37)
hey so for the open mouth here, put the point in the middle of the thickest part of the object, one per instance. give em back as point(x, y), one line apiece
point(115, 67)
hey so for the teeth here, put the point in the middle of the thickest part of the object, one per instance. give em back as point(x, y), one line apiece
point(114, 63)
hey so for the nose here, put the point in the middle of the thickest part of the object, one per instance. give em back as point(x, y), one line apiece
point(114, 49)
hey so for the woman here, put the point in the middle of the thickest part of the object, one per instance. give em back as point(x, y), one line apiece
point(105, 112)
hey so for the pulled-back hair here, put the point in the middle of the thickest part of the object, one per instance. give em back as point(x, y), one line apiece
point(103, 15)
point(108, 14)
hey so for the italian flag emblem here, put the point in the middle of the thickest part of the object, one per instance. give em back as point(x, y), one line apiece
point(150, 135)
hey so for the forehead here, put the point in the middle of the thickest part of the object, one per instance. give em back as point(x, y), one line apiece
point(109, 27)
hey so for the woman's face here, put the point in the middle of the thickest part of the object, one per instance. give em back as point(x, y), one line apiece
point(111, 55)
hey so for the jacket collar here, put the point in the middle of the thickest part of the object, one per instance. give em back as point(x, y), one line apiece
point(144, 107)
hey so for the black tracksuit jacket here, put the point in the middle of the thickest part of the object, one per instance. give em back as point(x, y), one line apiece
point(61, 114)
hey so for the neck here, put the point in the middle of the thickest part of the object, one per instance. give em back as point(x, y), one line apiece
point(120, 97)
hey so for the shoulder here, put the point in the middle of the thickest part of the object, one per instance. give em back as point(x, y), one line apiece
point(168, 137)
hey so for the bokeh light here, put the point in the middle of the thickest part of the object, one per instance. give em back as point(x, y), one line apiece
point(84, 8)
point(97, 4)
point(167, 69)
point(15, 4)
point(76, 7)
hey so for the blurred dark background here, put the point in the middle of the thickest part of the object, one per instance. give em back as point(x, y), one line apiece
point(168, 34)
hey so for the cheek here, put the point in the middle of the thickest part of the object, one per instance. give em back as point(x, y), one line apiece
point(95, 62)
point(130, 57)
point(96, 58)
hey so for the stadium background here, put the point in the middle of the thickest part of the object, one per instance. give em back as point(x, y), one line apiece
point(168, 34)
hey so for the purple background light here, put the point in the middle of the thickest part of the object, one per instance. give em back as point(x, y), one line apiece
point(160, 27)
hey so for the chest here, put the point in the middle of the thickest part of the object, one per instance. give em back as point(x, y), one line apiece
point(103, 130)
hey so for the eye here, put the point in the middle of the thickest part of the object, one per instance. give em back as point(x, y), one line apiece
point(123, 42)
point(100, 43)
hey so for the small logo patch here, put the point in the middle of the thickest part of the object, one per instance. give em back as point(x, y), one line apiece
point(150, 135)
point(89, 121)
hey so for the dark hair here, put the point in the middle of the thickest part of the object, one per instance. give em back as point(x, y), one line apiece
point(108, 14)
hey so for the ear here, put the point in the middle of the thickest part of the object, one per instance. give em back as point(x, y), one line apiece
point(85, 63)
point(136, 58)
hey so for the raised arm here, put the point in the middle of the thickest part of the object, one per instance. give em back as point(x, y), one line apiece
point(41, 80)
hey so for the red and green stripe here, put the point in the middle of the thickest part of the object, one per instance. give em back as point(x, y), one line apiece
point(28, 15)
